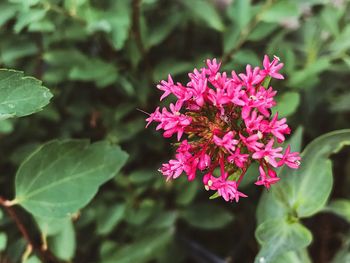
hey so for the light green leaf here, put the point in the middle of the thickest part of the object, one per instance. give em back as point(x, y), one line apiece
point(205, 11)
point(299, 256)
point(279, 236)
point(50, 226)
point(3, 241)
point(8, 10)
point(340, 207)
point(61, 177)
point(261, 31)
point(28, 16)
point(342, 43)
point(240, 12)
point(287, 104)
point(63, 244)
point(313, 188)
point(20, 95)
point(309, 75)
point(141, 250)
point(206, 216)
point(280, 10)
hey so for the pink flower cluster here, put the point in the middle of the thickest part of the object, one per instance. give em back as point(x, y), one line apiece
point(228, 124)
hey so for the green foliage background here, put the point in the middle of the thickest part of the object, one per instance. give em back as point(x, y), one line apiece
point(101, 60)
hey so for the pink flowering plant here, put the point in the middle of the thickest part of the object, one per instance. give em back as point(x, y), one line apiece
point(223, 123)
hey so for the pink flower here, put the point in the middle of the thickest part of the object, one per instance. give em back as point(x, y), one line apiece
point(227, 124)
point(252, 142)
point(213, 67)
point(238, 158)
point(226, 189)
point(204, 161)
point(272, 68)
point(155, 116)
point(265, 180)
point(290, 159)
point(253, 122)
point(277, 127)
point(173, 122)
point(252, 77)
point(227, 141)
point(269, 154)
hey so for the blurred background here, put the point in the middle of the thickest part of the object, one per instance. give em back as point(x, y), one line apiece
point(102, 60)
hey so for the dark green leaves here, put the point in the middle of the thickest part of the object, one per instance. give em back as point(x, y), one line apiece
point(62, 176)
point(207, 216)
point(20, 95)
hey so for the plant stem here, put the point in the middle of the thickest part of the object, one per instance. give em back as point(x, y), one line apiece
point(45, 255)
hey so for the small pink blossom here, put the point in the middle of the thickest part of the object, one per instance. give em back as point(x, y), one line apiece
point(290, 159)
point(272, 68)
point(267, 181)
point(238, 158)
point(227, 141)
point(225, 188)
point(269, 154)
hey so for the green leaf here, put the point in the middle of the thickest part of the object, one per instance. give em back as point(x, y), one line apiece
point(240, 12)
point(205, 11)
point(142, 250)
point(63, 244)
point(51, 226)
point(119, 18)
point(206, 216)
point(261, 31)
point(306, 77)
point(287, 104)
point(28, 16)
point(299, 256)
point(280, 10)
point(61, 177)
point(342, 43)
point(108, 220)
point(8, 10)
point(170, 66)
point(279, 236)
point(20, 95)
point(3, 241)
point(312, 189)
point(187, 192)
point(340, 207)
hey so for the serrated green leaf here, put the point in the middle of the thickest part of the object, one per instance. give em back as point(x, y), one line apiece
point(61, 177)
point(278, 236)
point(20, 95)
point(206, 216)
